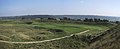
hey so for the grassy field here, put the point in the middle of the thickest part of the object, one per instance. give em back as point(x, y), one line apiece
point(20, 31)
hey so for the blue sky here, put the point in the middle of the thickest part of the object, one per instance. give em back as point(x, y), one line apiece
point(60, 7)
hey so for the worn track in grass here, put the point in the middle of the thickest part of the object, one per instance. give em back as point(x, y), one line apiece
point(32, 42)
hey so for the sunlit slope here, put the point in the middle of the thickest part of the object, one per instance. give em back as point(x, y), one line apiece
point(111, 40)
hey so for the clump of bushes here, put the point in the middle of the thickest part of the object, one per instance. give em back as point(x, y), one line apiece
point(38, 27)
point(28, 22)
point(55, 30)
point(5, 38)
point(85, 38)
point(39, 38)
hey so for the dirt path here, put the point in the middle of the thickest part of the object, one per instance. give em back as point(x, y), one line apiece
point(43, 40)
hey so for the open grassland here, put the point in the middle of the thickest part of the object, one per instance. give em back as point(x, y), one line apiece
point(41, 31)
point(22, 31)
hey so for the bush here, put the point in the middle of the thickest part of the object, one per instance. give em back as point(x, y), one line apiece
point(38, 27)
point(55, 30)
point(29, 22)
point(85, 38)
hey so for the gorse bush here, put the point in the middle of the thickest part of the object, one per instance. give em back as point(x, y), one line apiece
point(28, 22)
point(84, 38)
point(38, 27)
point(55, 30)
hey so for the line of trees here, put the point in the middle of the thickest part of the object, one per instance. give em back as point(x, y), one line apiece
point(82, 20)
point(95, 20)
point(89, 19)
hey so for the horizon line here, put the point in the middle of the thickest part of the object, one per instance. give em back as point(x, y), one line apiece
point(57, 14)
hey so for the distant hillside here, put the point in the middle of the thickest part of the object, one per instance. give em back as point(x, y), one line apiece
point(61, 16)
point(27, 17)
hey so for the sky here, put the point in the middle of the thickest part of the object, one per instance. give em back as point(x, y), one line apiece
point(60, 7)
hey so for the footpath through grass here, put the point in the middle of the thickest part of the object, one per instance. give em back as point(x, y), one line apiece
point(20, 31)
point(37, 31)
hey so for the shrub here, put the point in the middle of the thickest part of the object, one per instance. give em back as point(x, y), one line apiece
point(85, 38)
point(55, 30)
point(29, 22)
point(38, 27)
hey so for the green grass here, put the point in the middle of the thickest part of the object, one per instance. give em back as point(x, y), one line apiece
point(40, 30)
point(19, 31)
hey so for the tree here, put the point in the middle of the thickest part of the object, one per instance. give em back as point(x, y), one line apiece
point(99, 20)
point(22, 18)
point(29, 22)
point(65, 18)
point(90, 20)
point(95, 20)
point(78, 19)
point(86, 19)
point(104, 20)
point(117, 22)
point(51, 19)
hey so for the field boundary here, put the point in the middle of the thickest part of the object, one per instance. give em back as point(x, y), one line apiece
point(32, 42)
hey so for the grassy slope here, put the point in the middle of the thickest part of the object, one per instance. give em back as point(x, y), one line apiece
point(111, 40)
